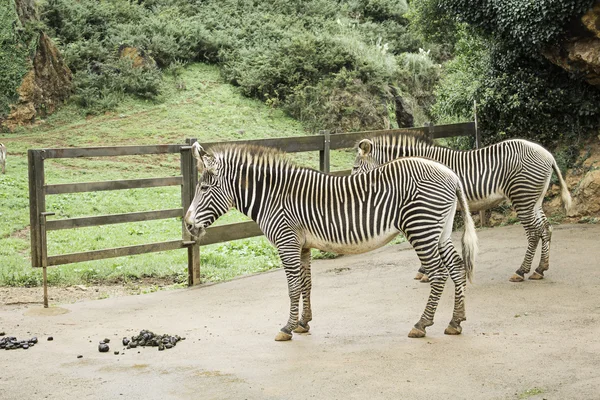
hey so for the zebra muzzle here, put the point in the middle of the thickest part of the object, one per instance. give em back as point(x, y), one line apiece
point(195, 232)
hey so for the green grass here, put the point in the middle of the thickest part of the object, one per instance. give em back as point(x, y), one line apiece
point(208, 110)
point(530, 393)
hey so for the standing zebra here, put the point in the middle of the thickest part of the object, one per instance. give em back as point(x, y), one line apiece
point(300, 208)
point(517, 170)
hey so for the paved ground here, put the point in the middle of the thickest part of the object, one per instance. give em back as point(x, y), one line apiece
point(536, 339)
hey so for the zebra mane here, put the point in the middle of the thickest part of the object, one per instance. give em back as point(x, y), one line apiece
point(261, 154)
point(401, 138)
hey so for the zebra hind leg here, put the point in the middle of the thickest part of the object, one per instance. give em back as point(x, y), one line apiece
point(438, 276)
point(421, 275)
point(303, 326)
point(430, 258)
point(455, 266)
point(546, 234)
point(529, 222)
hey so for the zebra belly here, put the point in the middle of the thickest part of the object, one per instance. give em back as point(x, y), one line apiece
point(351, 248)
point(483, 204)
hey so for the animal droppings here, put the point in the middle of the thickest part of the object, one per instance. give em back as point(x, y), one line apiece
point(148, 338)
point(12, 343)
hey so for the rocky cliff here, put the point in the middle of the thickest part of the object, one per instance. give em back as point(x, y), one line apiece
point(579, 52)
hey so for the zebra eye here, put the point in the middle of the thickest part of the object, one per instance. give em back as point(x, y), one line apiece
point(203, 187)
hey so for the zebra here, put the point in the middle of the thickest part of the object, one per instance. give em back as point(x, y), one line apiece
point(516, 169)
point(300, 208)
point(3, 158)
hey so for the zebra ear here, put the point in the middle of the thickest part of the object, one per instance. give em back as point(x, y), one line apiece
point(199, 154)
point(364, 147)
point(197, 151)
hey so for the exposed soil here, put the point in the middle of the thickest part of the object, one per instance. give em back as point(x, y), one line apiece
point(21, 297)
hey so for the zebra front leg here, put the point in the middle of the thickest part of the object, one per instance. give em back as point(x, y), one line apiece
point(303, 326)
point(290, 258)
point(546, 234)
point(456, 268)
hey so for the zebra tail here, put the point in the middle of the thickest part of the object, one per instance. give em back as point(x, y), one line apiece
point(469, 240)
point(564, 190)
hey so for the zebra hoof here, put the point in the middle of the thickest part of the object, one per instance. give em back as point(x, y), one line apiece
point(419, 276)
point(453, 330)
point(536, 276)
point(282, 337)
point(302, 328)
point(424, 279)
point(416, 333)
point(516, 278)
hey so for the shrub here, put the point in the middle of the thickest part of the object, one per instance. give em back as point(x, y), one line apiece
point(283, 52)
point(17, 44)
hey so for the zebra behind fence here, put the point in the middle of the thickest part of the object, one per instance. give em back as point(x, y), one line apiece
point(3, 157)
point(517, 170)
point(300, 208)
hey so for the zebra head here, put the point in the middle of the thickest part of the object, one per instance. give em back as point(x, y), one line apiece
point(211, 199)
point(364, 160)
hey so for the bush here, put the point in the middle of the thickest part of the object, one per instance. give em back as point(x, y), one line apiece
point(498, 62)
point(17, 44)
point(286, 53)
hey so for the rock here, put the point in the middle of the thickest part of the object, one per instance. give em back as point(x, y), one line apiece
point(579, 52)
point(587, 195)
point(139, 58)
point(103, 348)
point(50, 338)
point(44, 88)
point(79, 356)
point(81, 287)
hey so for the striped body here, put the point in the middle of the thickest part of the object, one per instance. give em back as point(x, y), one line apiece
point(299, 208)
point(517, 170)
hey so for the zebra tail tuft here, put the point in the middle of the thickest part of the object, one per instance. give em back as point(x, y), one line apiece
point(564, 190)
point(469, 240)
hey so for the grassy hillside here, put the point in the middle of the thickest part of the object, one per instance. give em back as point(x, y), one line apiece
point(207, 109)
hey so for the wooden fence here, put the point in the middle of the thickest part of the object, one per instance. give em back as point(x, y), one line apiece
point(38, 189)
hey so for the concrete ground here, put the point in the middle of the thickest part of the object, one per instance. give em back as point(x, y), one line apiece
point(536, 339)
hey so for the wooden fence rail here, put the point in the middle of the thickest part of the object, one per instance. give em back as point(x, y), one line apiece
point(38, 190)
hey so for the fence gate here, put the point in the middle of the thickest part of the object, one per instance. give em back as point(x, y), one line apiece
point(38, 190)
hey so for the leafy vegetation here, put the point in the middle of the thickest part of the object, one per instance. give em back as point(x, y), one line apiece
point(329, 64)
point(209, 110)
point(498, 62)
point(16, 44)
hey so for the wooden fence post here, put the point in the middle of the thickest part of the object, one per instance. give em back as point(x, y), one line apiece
point(430, 130)
point(189, 171)
point(324, 164)
point(37, 218)
point(482, 213)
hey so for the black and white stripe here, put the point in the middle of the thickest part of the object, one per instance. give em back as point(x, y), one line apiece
point(517, 170)
point(300, 208)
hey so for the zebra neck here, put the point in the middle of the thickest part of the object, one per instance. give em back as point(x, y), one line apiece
point(437, 153)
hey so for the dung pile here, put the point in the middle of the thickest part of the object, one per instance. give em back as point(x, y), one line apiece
point(149, 338)
point(12, 343)
point(144, 339)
